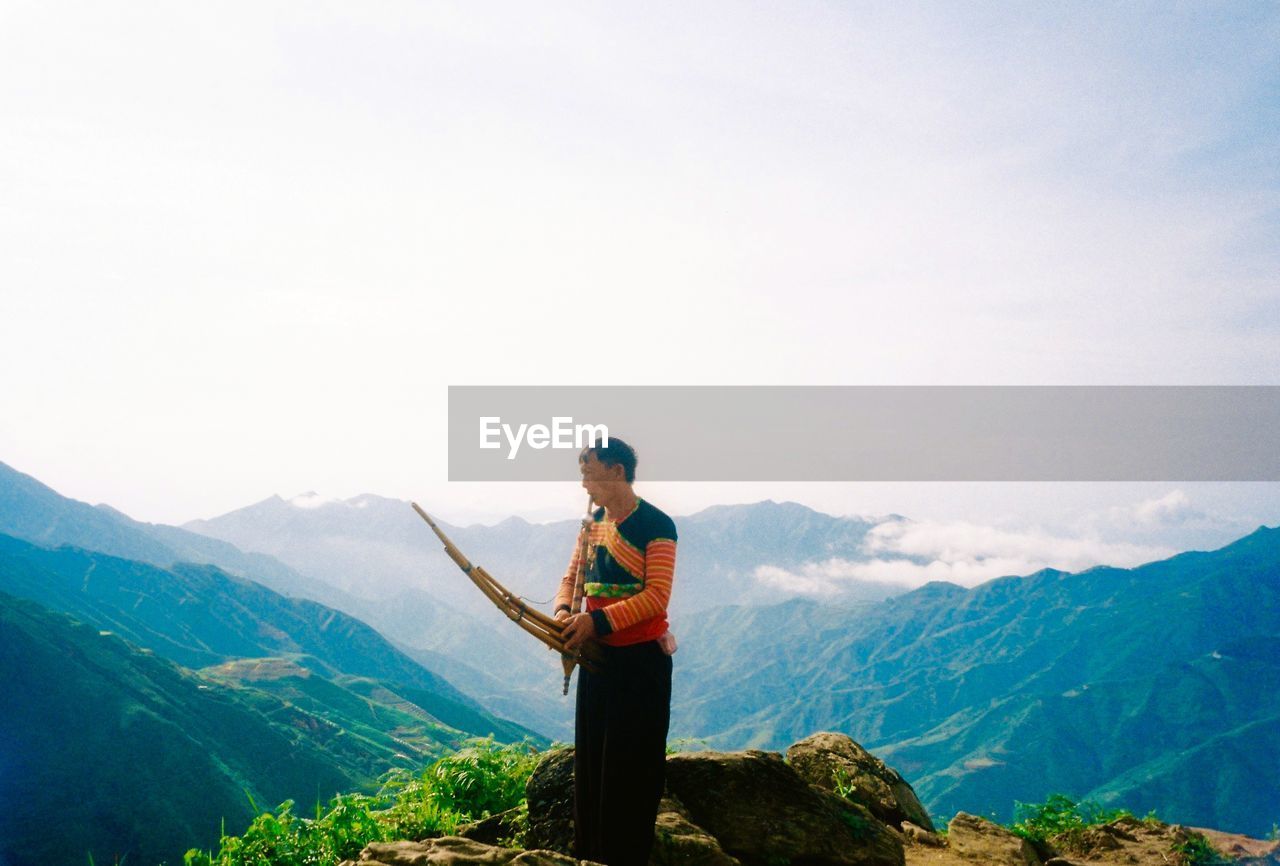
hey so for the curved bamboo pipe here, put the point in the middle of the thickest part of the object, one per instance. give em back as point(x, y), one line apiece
point(586, 554)
point(544, 628)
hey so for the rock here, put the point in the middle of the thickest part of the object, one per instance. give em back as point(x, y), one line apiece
point(495, 829)
point(548, 858)
point(1243, 848)
point(819, 757)
point(761, 812)
point(679, 842)
point(550, 796)
point(1102, 839)
point(921, 836)
point(456, 851)
point(989, 843)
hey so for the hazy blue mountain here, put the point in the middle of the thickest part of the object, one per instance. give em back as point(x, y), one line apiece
point(721, 547)
point(376, 547)
point(397, 577)
point(468, 643)
point(30, 510)
point(1154, 687)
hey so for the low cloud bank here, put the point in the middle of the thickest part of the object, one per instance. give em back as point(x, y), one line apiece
point(911, 553)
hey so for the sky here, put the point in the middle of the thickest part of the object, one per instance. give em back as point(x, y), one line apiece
point(248, 246)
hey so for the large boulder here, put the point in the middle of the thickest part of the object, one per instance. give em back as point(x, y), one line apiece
point(456, 851)
point(988, 842)
point(822, 758)
point(550, 796)
point(762, 812)
point(495, 829)
point(679, 842)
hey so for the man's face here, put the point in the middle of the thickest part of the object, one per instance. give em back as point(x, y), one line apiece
point(597, 478)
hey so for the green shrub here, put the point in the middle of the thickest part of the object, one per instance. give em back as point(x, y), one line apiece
point(1061, 819)
point(1195, 850)
point(479, 780)
point(482, 779)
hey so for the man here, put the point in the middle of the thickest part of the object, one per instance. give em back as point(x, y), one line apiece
point(623, 710)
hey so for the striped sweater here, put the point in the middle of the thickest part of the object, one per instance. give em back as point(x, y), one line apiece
point(629, 583)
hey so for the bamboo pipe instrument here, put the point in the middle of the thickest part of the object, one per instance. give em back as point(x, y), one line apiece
point(544, 628)
point(586, 557)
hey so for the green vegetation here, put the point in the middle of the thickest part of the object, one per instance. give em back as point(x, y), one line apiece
point(857, 823)
point(687, 744)
point(1062, 820)
point(1195, 850)
point(844, 785)
point(480, 780)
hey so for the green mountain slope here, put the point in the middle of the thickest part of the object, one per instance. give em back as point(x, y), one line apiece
point(1103, 681)
point(463, 646)
point(198, 616)
point(36, 513)
point(108, 750)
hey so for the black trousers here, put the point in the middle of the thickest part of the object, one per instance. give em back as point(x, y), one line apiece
point(620, 755)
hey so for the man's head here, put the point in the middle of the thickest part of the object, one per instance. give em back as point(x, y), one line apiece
point(605, 467)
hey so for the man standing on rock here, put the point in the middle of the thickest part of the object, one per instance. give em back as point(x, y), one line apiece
point(623, 710)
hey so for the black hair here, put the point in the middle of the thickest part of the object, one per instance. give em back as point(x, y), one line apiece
point(614, 452)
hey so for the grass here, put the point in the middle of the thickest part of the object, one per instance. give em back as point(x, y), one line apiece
point(1062, 820)
point(479, 780)
point(687, 744)
point(1195, 850)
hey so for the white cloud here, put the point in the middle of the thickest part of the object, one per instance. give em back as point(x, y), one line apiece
point(912, 553)
point(1172, 509)
point(964, 542)
point(810, 581)
point(310, 500)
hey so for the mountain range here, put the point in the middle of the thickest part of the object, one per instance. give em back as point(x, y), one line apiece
point(1156, 687)
point(374, 547)
point(147, 704)
point(384, 565)
point(1151, 688)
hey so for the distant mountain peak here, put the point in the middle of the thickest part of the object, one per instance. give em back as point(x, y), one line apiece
point(311, 499)
point(940, 588)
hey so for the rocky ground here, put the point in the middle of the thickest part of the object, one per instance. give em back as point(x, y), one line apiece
point(828, 803)
point(1125, 842)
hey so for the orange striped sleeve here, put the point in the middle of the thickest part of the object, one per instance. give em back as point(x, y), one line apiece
point(659, 574)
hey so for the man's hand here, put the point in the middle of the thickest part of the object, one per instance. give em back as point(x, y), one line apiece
point(581, 628)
